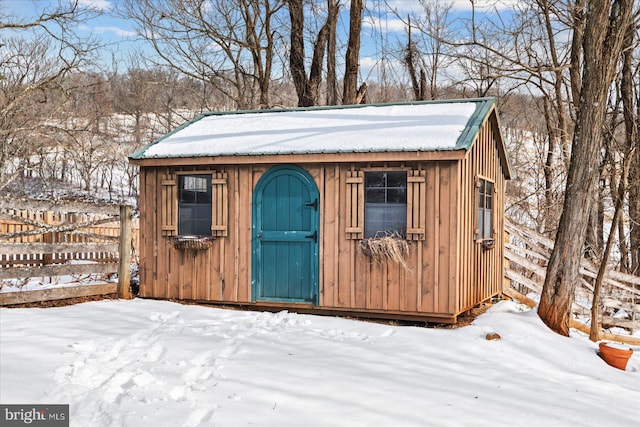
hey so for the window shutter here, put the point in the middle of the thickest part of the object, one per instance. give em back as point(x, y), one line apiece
point(169, 207)
point(416, 196)
point(355, 205)
point(219, 204)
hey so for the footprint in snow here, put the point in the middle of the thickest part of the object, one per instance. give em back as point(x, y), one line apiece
point(198, 416)
point(164, 317)
point(387, 333)
point(154, 353)
point(197, 374)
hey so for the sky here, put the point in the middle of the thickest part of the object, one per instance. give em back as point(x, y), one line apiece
point(381, 30)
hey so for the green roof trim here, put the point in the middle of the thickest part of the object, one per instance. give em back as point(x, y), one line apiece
point(466, 138)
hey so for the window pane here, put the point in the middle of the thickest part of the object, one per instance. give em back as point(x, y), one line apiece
point(375, 196)
point(397, 196)
point(480, 223)
point(385, 218)
point(187, 213)
point(202, 227)
point(397, 179)
point(187, 196)
point(373, 219)
point(487, 224)
point(195, 183)
point(374, 179)
point(396, 218)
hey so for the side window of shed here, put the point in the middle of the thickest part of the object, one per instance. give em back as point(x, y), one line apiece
point(485, 209)
point(194, 205)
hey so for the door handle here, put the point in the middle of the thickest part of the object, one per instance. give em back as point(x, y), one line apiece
point(313, 236)
point(313, 204)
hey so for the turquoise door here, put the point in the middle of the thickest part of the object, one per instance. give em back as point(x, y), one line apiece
point(285, 237)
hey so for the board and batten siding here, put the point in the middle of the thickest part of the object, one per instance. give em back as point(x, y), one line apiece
point(348, 279)
point(481, 271)
point(220, 273)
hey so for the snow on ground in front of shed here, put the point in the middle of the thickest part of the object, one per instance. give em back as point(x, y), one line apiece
point(366, 129)
point(157, 363)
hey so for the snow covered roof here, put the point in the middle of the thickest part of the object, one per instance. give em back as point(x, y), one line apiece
point(418, 126)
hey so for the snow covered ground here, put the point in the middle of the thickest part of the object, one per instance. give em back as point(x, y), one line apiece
point(154, 363)
point(48, 282)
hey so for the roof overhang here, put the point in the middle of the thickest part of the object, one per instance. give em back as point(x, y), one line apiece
point(393, 156)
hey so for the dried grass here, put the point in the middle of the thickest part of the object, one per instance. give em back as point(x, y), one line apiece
point(387, 247)
point(193, 242)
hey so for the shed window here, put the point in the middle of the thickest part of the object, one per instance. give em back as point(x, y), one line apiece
point(485, 209)
point(385, 208)
point(194, 205)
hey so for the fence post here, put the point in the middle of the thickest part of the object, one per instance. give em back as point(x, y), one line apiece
point(506, 282)
point(47, 237)
point(124, 267)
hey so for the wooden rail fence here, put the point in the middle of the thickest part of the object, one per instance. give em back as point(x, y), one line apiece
point(47, 239)
point(527, 253)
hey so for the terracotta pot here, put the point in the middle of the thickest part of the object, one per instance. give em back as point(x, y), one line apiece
point(614, 355)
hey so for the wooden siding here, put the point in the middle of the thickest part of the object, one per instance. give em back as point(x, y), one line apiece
point(220, 273)
point(349, 280)
point(449, 271)
point(481, 270)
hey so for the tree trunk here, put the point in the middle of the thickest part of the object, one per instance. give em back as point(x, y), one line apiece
point(576, 49)
point(630, 259)
point(605, 26)
point(409, 60)
point(306, 88)
point(315, 74)
point(618, 198)
point(350, 90)
point(631, 134)
point(296, 52)
point(549, 218)
point(634, 215)
point(332, 81)
point(594, 331)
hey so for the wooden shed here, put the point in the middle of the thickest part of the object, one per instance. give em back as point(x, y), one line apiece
point(278, 209)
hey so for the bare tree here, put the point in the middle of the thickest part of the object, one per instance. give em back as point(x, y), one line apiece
point(307, 87)
point(36, 55)
point(605, 26)
point(229, 44)
point(618, 191)
point(427, 55)
point(532, 50)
